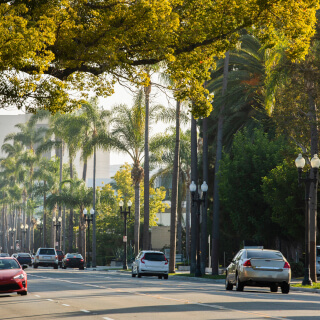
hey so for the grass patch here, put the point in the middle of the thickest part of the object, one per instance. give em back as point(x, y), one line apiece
point(314, 286)
point(191, 275)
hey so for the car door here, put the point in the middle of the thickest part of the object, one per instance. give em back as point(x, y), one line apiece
point(233, 267)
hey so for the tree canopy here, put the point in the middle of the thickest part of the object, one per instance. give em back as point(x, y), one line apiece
point(82, 45)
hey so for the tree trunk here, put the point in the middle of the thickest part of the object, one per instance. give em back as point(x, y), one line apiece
point(136, 217)
point(313, 188)
point(216, 202)
point(204, 233)
point(94, 241)
point(70, 233)
point(146, 244)
point(174, 194)
point(188, 223)
point(194, 177)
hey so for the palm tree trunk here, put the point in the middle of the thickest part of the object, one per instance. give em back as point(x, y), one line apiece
point(136, 217)
point(94, 240)
point(216, 202)
point(70, 234)
point(194, 177)
point(204, 233)
point(313, 188)
point(146, 244)
point(174, 194)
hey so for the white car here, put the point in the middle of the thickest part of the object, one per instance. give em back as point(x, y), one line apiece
point(150, 263)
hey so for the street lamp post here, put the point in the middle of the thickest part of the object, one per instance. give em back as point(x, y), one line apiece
point(88, 219)
point(198, 199)
point(57, 225)
point(125, 240)
point(308, 180)
point(40, 226)
point(24, 228)
point(11, 233)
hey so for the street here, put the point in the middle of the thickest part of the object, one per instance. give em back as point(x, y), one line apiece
point(74, 294)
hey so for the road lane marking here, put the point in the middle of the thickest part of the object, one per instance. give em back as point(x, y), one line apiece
point(66, 305)
point(49, 299)
point(85, 311)
point(37, 296)
point(106, 318)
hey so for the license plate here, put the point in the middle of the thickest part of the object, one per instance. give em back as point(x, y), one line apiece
point(47, 258)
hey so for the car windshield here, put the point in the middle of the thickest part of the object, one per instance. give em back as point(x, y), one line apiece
point(8, 264)
point(151, 256)
point(261, 254)
point(47, 251)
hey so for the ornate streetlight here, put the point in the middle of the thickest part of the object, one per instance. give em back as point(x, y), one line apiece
point(198, 199)
point(24, 228)
point(308, 180)
point(58, 226)
point(88, 220)
point(125, 240)
point(11, 233)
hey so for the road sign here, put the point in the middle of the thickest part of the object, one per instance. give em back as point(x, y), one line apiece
point(124, 238)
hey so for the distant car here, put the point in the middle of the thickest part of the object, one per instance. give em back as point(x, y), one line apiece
point(60, 257)
point(4, 254)
point(259, 268)
point(12, 276)
point(318, 260)
point(24, 258)
point(46, 257)
point(150, 263)
point(73, 260)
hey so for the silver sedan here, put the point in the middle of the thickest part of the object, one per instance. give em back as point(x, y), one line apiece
point(259, 268)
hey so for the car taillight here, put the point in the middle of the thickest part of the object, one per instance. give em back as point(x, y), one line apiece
point(166, 260)
point(68, 259)
point(56, 257)
point(37, 257)
point(81, 260)
point(247, 264)
point(286, 265)
point(142, 260)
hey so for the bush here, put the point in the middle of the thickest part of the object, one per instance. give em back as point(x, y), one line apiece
point(297, 269)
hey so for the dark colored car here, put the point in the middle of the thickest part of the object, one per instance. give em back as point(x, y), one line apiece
point(12, 276)
point(24, 258)
point(73, 260)
point(60, 257)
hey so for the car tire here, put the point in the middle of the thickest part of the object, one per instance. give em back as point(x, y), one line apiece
point(239, 285)
point(229, 286)
point(274, 288)
point(55, 266)
point(166, 277)
point(139, 274)
point(23, 293)
point(159, 277)
point(64, 267)
point(285, 288)
point(81, 268)
point(35, 266)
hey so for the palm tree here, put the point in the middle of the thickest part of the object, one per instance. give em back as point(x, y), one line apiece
point(128, 137)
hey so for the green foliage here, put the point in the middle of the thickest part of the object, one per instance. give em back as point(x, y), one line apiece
point(245, 213)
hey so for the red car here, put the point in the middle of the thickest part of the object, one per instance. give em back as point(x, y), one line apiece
point(12, 276)
point(60, 257)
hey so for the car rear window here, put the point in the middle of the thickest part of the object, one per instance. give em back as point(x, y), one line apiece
point(154, 256)
point(24, 255)
point(318, 252)
point(47, 251)
point(76, 255)
point(264, 254)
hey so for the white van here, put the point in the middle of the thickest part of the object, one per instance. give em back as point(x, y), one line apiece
point(318, 261)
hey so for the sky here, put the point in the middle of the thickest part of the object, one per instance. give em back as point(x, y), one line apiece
point(122, 95)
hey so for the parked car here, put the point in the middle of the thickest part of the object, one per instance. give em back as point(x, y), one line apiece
point(73, 260)
point(24, 258)
point(12, 276)
point(46, 257)
point(150, 263)
point(259, 268)
point(318, 261)
point(4, 254)
point(14, 255)
point(60, 257)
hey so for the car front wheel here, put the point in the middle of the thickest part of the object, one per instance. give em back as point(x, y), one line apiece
point(229, 286)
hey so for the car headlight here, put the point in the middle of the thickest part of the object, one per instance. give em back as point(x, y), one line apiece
point(19, 276)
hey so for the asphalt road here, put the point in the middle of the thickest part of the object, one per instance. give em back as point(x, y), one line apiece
point(74, 294)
